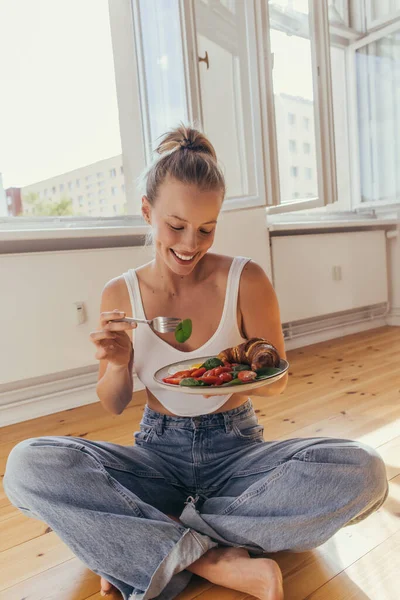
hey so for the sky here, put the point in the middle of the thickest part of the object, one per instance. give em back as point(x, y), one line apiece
point(58, 103)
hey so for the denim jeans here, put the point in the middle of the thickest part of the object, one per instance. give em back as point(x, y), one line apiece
point(229, 487)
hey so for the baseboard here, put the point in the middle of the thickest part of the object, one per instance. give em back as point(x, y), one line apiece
point(322, 336)
point(50, 403)
point(393, 317)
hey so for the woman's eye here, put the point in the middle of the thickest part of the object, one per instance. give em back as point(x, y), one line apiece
point(201, 230)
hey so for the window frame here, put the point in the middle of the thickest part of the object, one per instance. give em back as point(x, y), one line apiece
point(354, 139)
point(126, 55)
point(372, 23)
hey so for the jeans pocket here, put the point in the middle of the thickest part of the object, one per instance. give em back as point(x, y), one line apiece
point(145, 434)
point(248, 428)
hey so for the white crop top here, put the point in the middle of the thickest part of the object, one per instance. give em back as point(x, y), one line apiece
point(153, 353)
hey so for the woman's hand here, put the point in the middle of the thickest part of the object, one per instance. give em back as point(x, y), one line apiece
point(112, 342)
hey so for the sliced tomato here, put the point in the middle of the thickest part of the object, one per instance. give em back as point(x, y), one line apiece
point(210, 379)
point(183, 373)
point(220, 370)
point(225, 377)
point(198, 372)
point(247, 375)
point(173, 380)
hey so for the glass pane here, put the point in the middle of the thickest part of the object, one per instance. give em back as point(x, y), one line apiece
point(225, 90)
point(164, 100)
point(378, 96)
point(60, 146)
point(338, 12)
point(384, 8)
point(294, 99)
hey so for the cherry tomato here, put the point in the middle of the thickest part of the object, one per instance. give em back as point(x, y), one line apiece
point(220, 370)
point(183, 373)
point(210, 380)
point(225, 377)
point(247, 375)
point(198, 372)
point(173, 380)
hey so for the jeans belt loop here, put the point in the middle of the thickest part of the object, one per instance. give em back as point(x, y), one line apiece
point(228, 425)
point(160, 425)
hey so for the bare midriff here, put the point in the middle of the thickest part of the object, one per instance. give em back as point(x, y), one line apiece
point(233, 402)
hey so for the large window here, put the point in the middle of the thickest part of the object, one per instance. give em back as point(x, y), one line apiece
point(59, 118)
point(299, 97)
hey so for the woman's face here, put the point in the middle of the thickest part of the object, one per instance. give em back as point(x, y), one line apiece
point(183, 219)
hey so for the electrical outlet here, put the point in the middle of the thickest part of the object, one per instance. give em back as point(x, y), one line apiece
point(80, 313)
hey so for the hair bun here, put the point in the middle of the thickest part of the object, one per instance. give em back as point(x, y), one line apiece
point(185, 138)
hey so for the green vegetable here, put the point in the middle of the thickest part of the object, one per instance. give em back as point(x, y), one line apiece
point(183, 331)
point(241, 368)
point(191, 382)
point(212, 363)
point(266, 371)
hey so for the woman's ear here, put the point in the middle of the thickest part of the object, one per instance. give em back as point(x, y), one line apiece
point(146, 210)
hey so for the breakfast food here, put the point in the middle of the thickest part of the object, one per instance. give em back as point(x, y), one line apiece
point(256, 352)
point(248, 362)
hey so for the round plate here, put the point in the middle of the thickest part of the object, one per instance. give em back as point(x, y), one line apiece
point(213, 390)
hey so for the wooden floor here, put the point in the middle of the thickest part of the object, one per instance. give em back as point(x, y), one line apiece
point(341, 388)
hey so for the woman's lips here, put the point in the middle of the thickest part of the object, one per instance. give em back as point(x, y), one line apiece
point(183, 262)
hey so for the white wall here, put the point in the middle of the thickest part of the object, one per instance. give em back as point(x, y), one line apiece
point(38, 291)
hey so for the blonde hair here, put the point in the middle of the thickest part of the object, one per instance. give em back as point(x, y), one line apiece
point(187, 155)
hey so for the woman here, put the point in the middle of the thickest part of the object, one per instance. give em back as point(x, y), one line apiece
point(200, 491)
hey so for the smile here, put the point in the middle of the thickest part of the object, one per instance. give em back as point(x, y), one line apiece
point(183, 259)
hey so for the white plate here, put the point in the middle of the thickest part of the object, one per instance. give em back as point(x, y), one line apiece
point(213, 390)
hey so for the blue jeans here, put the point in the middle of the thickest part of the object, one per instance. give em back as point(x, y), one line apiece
point(229, 487)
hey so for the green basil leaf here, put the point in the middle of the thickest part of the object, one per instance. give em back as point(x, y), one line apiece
point(191, 382)
point(183, 331)
point(212, 363)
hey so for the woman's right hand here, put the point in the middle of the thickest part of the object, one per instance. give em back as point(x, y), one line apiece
point(111, 340)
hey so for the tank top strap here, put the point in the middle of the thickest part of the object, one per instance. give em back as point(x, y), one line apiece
point(132, 283)
point(232, 292)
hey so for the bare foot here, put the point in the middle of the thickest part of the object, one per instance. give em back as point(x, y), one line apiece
point(105, 587)
point(234, 568)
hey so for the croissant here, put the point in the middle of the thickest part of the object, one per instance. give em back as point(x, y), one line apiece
point(256, 352)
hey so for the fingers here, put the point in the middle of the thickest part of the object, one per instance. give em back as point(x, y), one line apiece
point(107, 321)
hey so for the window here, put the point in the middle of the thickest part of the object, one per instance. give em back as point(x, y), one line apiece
point(306, 148)
point(41, 147)
point(80, 200)
point(378, 117)
point(293, 89)
point(122, 170)
point(308, 173)
point(99, 175)
point(77, 183)
point(228, 85)
point(113, 173)
point(292, 146)
point(379, 12)
point(114, 191)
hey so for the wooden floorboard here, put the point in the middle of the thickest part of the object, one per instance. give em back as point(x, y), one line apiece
point(348, 388)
